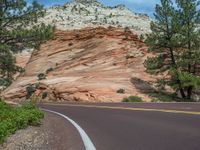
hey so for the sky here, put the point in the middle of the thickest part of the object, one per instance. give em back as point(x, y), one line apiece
point(138, 6)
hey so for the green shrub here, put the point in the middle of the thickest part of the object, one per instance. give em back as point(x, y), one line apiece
point(121, 91)
point(70, 44)
point(77, 35)
point(163, 97)
point(141, 37)
point(4, 82)
point(15, 118)
point(132, 99)
point(41, 76)
point(44, 95)
point(49, 70)
point(30, 90)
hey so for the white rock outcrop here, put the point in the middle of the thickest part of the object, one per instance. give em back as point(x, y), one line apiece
point(79, 14)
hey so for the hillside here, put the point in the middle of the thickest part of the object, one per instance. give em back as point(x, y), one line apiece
point(90, 58)
point(90, 64)
point(79, 14)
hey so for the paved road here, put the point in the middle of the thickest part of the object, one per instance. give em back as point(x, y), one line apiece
point(110, 127)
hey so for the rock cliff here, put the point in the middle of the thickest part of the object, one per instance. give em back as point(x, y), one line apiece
point(90, 64)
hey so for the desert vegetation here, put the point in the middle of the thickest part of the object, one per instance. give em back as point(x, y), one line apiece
point(15, 118)
point(18, 31)
point(175, 42)
point(121, 91)
point(41, 76)
point(132, 99)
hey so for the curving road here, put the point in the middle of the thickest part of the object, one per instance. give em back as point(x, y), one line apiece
point(140, 126)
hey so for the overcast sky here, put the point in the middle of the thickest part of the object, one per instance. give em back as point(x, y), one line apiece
point(140, 6)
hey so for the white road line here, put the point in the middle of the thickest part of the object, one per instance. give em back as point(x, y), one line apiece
point(86, 140)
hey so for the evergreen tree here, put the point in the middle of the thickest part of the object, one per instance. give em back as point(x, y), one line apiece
point(175, 42)
point(189, 17)
point(19, 30)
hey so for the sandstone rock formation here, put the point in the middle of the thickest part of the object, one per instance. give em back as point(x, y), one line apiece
point(90, 64)
point(79, 14)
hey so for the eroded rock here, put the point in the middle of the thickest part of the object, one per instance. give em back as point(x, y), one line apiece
point(85, 65)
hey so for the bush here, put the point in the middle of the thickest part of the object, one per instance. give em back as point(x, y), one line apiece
point(142, 37)
point(70, 44)
point(5, 82)
point(132, 99)
point(41, 76)
point(77, 35)
point(44, 95)
point(49, 70)
point(121, 91)
point(15, 118)
point(29, 91)
point(163, 97)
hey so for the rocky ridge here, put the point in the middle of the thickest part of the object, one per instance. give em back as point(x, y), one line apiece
point(79, 14)
point(90, 64)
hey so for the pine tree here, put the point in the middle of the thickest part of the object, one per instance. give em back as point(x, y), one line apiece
point(189, 17)
point(19, 30)
point(163, 42)
point(175, 41)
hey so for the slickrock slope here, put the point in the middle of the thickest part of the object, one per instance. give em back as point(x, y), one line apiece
point(79, 14)
point(90, 64)
point(22, 59)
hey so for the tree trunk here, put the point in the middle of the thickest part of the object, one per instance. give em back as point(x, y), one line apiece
point(182, 93)
point(175, 66)
point(189, 92)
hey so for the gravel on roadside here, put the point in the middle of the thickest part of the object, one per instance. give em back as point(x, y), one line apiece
point(31, 138)
point(54, 133)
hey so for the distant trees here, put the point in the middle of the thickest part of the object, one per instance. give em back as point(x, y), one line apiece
point(175, 41)
point(17, 32)
point(126, 32)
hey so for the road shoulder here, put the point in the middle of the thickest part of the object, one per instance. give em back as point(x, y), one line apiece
point(54, 133)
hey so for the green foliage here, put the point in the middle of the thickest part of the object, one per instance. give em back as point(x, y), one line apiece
point(154, 64)
point(121, 91)
point(4, 82)
point(15, 118)
point(19, 30)
point(189, 79)
point(41, 76)
point(44, 95)
point(132, 99)
point(161, 83)
point(49, 70)
point(141, 37)
point(70, 44)
point(30, 90)
point(163, 97)
point(126, 32)
point(175, 41)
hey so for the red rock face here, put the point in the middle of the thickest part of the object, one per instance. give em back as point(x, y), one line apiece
point(90, 64)
point(22, 60)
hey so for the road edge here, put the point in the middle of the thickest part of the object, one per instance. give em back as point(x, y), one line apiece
point(85, 138)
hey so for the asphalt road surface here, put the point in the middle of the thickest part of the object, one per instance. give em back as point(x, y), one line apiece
point(140, 126)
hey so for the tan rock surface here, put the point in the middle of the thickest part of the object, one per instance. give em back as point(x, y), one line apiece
point(90, 64)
